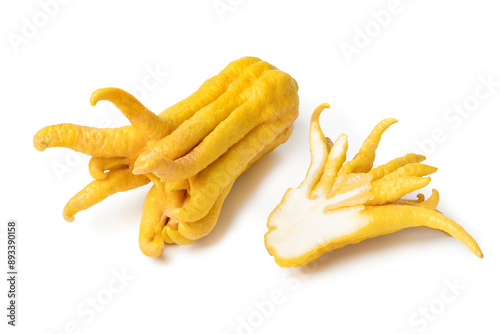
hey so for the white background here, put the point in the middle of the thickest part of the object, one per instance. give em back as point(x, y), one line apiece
point(428, 58)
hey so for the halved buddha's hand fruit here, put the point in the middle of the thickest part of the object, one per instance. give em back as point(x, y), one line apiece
point(192, 152)
point(344, 203)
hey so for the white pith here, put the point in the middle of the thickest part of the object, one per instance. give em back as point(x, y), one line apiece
point(299, 224)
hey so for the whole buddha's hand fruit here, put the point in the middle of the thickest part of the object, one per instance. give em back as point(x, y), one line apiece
point(344, 203)
point(192, 152)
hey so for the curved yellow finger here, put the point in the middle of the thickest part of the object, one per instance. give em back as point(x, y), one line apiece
point(153, 219)
point(394, 164)
point(97, 190)
point(363, 160)
point(107, 143)
point(411, 170)
point(336, 158)
point(318, 148)
point(388, 190)
point(199, 229)
point(165, 236)
point(99, 166)
point(432, 202)
point(406, 201)
point(391, 218)
point(176, 236)
point(139, 116)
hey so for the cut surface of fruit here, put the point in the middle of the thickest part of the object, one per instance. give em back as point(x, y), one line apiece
point(341, 203)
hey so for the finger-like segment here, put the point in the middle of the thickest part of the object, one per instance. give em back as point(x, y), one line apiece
point(99, 166)
point(336, 158)
point(388, 190)
point(391, 218)
point(139, 116)
point(191, 132)
point(404, 201)
point(165, 236)
point(412, 170)
point(392, 165)
point(105, 143)
point(202, 227)
point(318, 148)
point(211, 181)
point(363, 160)
point(211, 89)
point(97, 190)
point(176, 237)
point(150, 239)
point(231, 130)
point(432, 202)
